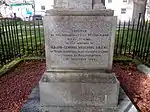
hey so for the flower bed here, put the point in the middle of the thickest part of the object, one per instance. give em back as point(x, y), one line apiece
point(135, 83)
point(18, 83)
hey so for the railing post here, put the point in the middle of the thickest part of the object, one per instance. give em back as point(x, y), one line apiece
point(18, 41)
point(141, 47)
point(121, 47)
point(7, 39)
point(31, 36)
point(26, 36)
point(127, 38)
point(34, 22)
point(11, 39)
point(136, 36)
point(3, 58)
point(39, 37)
point(5, 44)
point(132, 34)
point(22, 39)
point(118, 37)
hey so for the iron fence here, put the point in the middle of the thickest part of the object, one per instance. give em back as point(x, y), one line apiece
point(133, 40)
point(26, 39)
point(20, 39)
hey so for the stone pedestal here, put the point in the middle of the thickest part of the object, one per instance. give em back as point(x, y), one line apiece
point(79, 89)
point(79, 43)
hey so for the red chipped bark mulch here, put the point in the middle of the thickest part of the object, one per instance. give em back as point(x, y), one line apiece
point(135, 83)
point(16, 85)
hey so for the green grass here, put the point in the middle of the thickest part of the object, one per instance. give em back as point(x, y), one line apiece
point(125, 41)
point(125, 59)
point(7, 67)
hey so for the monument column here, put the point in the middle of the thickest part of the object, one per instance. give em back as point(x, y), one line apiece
point(79, 44)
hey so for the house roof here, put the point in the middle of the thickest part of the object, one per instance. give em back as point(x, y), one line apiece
point(20, 4)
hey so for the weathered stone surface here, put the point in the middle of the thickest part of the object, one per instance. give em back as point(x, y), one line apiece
point(33, 104)
point(92, 89)
point(79, 38)
point(144, 69)
point(80, 4)
point(79, 109)
point(101, 12)
point(81, 77)
point(74, 4)
point(62, 4)
point(79, 42)
point(98, 6)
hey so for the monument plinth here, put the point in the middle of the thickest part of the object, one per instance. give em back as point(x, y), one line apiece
point(79, 44)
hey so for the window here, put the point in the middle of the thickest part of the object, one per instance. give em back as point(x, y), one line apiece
point(109, 1)
point(123, 10)
point(43, 7)
point(125, 1)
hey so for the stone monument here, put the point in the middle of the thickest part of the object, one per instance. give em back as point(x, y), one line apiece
point(79, 44)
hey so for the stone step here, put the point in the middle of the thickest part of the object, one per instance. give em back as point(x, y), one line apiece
point(33, 103)
point(78, 109)
point(79, 89)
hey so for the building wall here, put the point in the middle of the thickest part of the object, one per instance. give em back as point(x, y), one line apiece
point(21, 11)
point(48, 4)
point(122, 8)
point(5, 11)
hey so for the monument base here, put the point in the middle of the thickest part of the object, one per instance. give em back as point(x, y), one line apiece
point(100, 12)
point(92, 90)
point(33, 103)
point(78, 109)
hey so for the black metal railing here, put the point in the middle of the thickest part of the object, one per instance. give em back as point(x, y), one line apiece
point(26, 39)
point(133, 40)
point(20, 38)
